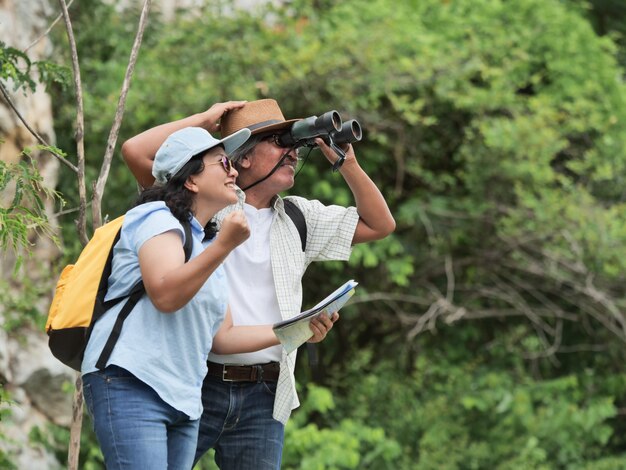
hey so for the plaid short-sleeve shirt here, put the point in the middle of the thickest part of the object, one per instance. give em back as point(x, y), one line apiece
point(330, 230)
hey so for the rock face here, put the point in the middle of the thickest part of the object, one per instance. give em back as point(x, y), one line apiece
point(21, 24)
point(37, 385)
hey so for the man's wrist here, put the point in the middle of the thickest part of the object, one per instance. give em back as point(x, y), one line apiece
point(349, 165)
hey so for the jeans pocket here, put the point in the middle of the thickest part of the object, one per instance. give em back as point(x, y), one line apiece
point(270, 387)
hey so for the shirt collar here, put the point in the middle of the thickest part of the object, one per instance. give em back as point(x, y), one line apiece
point(196, 226)
point(276, 204)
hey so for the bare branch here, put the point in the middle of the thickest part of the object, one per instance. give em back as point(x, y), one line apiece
point(47, 31)
point(68, 211)
point(80, 135)
point(40, 139)
point(387, 297)
point(119, 113)
point(583, 348)
point(76, 425)
point(77, 409)
point(450, 278)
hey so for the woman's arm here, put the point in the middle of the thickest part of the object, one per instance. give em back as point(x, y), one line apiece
point(231, 339)
point(170, 282)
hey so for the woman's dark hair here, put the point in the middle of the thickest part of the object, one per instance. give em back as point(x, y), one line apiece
point(176, 196)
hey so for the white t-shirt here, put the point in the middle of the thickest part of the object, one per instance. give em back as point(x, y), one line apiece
point(249, 271)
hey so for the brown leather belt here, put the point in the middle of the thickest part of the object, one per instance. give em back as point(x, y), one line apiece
point(256, 373)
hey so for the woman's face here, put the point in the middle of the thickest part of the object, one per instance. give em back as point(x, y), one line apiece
point(216, 182)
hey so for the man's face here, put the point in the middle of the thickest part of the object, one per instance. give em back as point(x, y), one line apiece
point(266, 154)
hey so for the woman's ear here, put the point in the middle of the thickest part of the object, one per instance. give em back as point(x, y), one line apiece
point(191, 185)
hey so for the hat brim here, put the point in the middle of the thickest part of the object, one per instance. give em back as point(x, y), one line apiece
point(274, 127)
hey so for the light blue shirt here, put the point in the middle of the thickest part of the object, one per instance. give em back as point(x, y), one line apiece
point(167, 351)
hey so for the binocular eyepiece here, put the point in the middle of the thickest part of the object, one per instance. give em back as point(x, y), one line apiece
point(328, 126)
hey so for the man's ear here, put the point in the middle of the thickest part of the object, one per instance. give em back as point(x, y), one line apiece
point(244, 163)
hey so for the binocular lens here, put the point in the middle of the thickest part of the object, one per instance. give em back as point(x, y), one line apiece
point(355, 129)
point(327, 126)
point(331, 120)
point(350, 132)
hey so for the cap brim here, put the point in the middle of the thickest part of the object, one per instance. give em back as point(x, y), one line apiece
point(236, 140)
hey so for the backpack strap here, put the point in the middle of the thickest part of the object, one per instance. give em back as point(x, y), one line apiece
point(134, 295)
point(138, 291)
point(297, 217)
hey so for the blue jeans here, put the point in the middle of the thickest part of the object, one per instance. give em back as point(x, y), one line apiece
point(134, 426)
point(237, 422)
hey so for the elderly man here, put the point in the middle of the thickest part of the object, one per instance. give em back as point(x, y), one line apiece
point(248, 397)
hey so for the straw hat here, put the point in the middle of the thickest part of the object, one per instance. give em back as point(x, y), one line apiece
point(258, 116)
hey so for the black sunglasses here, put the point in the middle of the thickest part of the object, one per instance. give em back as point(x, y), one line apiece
point(275, 139)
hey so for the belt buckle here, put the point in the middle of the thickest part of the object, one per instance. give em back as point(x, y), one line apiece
point(224, 371)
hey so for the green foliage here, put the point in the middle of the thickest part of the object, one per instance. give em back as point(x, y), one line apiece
point(16, 67)
point(55, 439)
point(22, 308)
point(451, 410)
point(607, 18)
point(10, 59)
point(344, 444)
point(26, 212)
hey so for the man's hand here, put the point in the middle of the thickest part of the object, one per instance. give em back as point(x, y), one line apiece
point(321, 325)
point(332, 156)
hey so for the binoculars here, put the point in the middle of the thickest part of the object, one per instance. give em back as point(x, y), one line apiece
point(329, 127)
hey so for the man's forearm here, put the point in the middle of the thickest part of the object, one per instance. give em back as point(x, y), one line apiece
point(376, 221)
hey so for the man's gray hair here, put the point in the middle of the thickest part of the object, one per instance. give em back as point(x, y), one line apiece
point(247, 148)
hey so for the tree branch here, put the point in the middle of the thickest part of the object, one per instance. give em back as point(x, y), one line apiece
point(98, 190)
point(47, 31)
point(40, 139)
point(81, 223)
